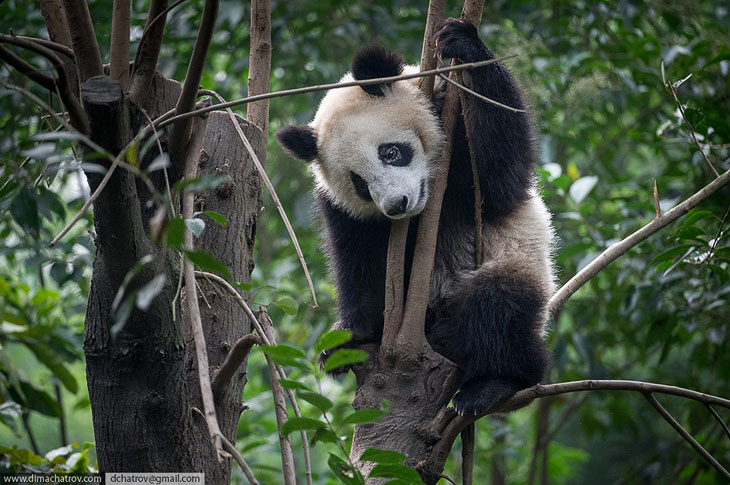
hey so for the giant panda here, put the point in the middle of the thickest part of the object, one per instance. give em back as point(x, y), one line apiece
point(374, 150)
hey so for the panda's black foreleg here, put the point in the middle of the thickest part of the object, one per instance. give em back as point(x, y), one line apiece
point(500, 140)
point(491, 328)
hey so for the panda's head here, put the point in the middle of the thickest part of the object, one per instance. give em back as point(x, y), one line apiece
point(373, 148)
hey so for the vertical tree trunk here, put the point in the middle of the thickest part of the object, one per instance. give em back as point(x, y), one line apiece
point(142, 383)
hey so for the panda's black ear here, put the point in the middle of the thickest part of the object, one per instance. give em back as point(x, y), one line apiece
point(298, 141)
point(374, 62)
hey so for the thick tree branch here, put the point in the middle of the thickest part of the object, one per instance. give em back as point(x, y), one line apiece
point(259, 65)
point(411, 336)
point(83, 40)
point(54, 17)
point(181, 131)
point(148, 51)
point(119, 48)
point(434, 21)
point(233, 361)
point(622, 247)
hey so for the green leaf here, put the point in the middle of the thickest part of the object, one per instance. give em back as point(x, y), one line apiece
point(149, 291)
point(287, 304)
point(382, 456)
point(30, 397)
point(175, 233)
point(366, 415)
point(332, 339)
point(53, 362)
point(695, 215)
point(395, 470)
point(346, 473)
point(196, 226)
point(24, 210)
point(217, 217)
point(283, 351)
point(670, 253)
point(207, 262)
point(345, 357)
point(289, 384)
point(161, 161)
point(201, 183)
point(316, 399)
point(299, 424)
point(582, 187)
point(720, 272)
point(694, 116)
point(323, 435)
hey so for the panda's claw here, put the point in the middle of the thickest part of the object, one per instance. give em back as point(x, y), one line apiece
point(458, 39)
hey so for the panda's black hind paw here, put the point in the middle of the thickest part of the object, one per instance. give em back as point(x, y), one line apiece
point(479, 394)
point(459, 39)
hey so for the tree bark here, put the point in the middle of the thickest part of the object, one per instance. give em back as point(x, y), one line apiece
point(142, 380)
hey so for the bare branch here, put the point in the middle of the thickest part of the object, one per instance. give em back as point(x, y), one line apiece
point(480, 96)
point(148, 51)
point(394, 285)
point(259, 65)
point(274, 196)
point(119, 48)
point(467, 455)
point(181, 131)
point(26, 69)
point(719, 419)
point(287, 455)
point(228, 446)
point(691, 129)
point(70, 101)
point(83, 39)
point(54, 17)
point(434, 20)
point(54, 46)
point(325, 87)
point(622, 247)
point(232, 362)
point(686, 435)
point(201, 353)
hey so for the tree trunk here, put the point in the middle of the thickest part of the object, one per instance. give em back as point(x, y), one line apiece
point(142, 380)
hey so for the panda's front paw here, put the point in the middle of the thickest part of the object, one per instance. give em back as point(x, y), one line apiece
point(478, 395)
point(459, 39)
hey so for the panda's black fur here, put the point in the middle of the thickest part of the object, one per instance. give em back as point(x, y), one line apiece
point(489, 320)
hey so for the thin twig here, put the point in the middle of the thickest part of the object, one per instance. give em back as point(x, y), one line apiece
point(76, 112)
point(717, 236)
point(686, 435)
point(325, 87)
point(268, 341)
point(274, 196)
point(62, 417)
point(54, 46)
point(481, 96)
point(719, 419)
point(228, 446)
point(690, 128)
point(287, 454)
point(26, 69)
point(201, 352)
point(232, 362)
point(622, 247)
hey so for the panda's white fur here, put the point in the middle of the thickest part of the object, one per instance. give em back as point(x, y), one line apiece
point(489, 319)
point(351, 124)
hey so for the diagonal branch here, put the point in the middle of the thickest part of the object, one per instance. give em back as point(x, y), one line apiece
point(148, 51)
point(233, 361)
point(26, 69)
point(622, 247)
point(83, 40)
point(75, 111)
point(181, 131)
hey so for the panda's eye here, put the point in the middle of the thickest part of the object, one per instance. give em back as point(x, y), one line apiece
point(396, 154)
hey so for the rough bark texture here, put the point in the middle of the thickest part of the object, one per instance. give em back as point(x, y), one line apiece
point(142, 383)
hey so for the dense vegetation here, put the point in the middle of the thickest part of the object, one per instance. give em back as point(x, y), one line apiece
point(609, 130)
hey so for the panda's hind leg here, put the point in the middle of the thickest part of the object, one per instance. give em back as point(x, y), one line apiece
point(481, 393)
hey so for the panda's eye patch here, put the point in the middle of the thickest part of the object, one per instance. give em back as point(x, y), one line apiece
point(396, 154)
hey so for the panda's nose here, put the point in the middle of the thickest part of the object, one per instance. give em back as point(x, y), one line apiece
point(399, 207)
